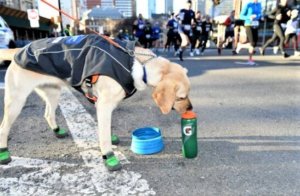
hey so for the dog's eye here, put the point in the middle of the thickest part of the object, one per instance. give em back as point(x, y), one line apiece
point(181, 98)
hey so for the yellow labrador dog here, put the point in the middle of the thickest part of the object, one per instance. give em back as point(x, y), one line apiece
point(170, 91)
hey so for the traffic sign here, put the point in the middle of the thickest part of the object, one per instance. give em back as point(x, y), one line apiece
point(33, 16)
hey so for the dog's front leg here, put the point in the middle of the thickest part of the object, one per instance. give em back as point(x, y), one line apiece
point(109, 94)
point(104, 115)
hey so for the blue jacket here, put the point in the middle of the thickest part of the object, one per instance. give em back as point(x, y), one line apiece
point(155, 32)
point(251, 9)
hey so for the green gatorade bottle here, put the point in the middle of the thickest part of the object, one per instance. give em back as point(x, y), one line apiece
point(189, 134)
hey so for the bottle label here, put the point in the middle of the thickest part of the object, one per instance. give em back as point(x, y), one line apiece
point(187, 130)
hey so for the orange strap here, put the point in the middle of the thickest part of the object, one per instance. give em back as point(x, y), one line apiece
point(94, 79)
point(92, 99)
point(89, 94)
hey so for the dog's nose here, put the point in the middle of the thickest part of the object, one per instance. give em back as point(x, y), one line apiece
point(190, 107)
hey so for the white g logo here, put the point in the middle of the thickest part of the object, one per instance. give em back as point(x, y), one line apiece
point(187, 130)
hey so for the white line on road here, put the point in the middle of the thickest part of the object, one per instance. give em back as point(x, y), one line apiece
point(83, 128)
point(246, 63)
point(268, 148)
point(84, 132)
point(46, 177)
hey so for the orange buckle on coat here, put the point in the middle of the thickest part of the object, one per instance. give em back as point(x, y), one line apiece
point(89, 84)
point(94, 79)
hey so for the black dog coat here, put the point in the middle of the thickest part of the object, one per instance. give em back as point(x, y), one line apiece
point(76, 58)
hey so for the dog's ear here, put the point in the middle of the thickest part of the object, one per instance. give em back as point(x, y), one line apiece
point(164, 95)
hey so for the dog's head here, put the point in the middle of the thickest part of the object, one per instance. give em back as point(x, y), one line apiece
point(172, 92)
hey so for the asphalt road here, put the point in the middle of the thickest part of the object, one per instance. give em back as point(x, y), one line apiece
point(248, 138)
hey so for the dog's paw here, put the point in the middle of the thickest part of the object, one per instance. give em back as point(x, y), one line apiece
point(111, 162)
point(60, 133)
point(4, 156)
point(115, 140)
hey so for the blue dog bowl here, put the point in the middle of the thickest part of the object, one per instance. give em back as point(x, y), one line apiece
point(147, 140)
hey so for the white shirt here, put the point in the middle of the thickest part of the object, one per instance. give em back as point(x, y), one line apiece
point(291, 26)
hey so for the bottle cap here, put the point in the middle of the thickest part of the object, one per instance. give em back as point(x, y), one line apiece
point(189, 115)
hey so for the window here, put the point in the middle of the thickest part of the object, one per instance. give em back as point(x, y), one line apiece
point(28, 5)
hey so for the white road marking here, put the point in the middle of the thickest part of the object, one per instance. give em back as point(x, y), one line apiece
point(84, 132)
point(268, 148)
point(83, 128)
point(246, 63)
point(43, 177)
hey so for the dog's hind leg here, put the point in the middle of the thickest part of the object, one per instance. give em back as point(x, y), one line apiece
point(16, 93)
point(50, 94)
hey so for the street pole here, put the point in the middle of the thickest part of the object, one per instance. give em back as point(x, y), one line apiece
point(61, 21)
point(213, 11)
point(75, 15)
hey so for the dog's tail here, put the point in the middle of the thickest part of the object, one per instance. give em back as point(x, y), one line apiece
point(8, 54)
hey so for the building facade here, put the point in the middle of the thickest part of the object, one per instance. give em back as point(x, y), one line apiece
point(126, 7)
point(14, 12)
point(92, 3)
point(168, 6)
point(19, 5)
point(107, 3)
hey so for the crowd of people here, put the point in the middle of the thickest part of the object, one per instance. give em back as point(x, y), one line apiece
point(184, 29)
point(281, 16)
point(188, 29)
point(147, 34)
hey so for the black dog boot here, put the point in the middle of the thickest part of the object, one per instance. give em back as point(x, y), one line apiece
point(111, 162)
point(4, 156)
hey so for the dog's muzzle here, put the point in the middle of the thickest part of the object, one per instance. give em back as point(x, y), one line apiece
point(190, 107)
